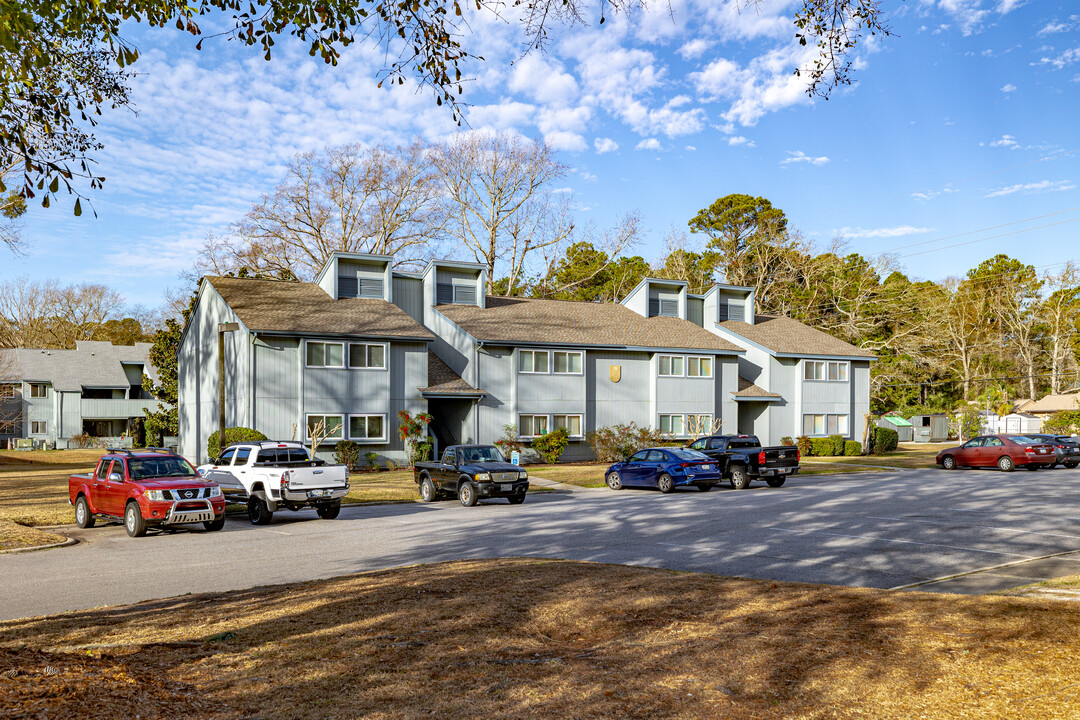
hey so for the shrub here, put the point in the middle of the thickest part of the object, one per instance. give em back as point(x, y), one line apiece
point(803, 443)
point(787, 441)
point(617, 442)
point(422, 451)
point(372, 459)
point(509, 441)
point(551, 445)
point(1065, 422)
point(347, 454)
point(232, 435)
point(413, 432)
point(82, 441)
point(883, 440)
point(853, 447)
point(821, 447)
point(837, 444)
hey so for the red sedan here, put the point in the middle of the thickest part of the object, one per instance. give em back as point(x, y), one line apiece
point(1004, 451)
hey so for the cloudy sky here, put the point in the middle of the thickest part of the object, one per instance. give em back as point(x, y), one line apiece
point(960, 137)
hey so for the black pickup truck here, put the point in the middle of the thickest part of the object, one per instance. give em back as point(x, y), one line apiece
point(471, 472)
point(742, 459)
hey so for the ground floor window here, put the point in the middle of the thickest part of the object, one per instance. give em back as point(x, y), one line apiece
point(572, 423)
point(824, 424)
point(367, 428)
point(328, 427)
point(532, 425)
point(38, 427)
point(673, 424)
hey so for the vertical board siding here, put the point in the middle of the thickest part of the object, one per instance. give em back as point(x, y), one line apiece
point(71, 415)
point(695, 311)
point(497, 371)
point(409, 296)
point(685, 395)
point(277, 407)
point(609, 403)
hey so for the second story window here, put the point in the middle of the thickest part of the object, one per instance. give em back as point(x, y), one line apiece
point(367, 356)
point(39, 390)
point(566, 363)
point(533, 361)
point(325, 354)
point(699, 367)
point(672, 365)
point(834, 370)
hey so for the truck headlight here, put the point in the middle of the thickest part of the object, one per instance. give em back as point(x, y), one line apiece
point(522, 475)
point(158, 495)
point(483, 477)
point(215, 492)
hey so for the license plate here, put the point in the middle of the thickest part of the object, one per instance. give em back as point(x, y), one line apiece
point(706, 467)
point(318, 493)
point(506, 487)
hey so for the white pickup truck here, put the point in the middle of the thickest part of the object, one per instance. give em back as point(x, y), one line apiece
point(270, 475)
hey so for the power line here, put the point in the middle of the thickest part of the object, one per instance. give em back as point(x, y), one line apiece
point(992, 237)
point(981, 380)
point(992, 227)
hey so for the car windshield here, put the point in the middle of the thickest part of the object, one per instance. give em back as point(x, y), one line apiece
point(688, 454)
point(167, 466)
point(481, 454)
point(1022, 440)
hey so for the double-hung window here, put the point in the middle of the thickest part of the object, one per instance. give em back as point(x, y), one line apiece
point(367, 356)
point(325, 354)
point(39, 390)
point(825, 424)
point(532, 425)
point(813, 370)
point(38, 427)
point(671, 365)
point(672, 424)
point(533, 361)
point(566, 363)
point(572, 423)
point(699, 367)
point(329, 427)
point(834, 370)
point(837, 371)
point(367, 428)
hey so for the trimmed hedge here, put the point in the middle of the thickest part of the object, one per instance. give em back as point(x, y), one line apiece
point(853, 447)
point(883, 440)
point(821, 447)
point(837, 444)
point(551, 445)
point(232, 435)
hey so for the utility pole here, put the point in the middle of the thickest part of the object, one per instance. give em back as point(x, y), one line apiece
point(222, 328)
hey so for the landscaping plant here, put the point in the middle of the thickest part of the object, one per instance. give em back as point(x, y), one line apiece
point(372, 459)
point(551, 445)
point(232, 435)
point(347, 454)
point(618, 442)
point(412, 432)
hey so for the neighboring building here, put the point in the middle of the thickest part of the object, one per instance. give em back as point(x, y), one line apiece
point(1051, 404)
point(930, 428)
point(1016, 423)
point(904, 429)
point(95, 389)
point(661, 358)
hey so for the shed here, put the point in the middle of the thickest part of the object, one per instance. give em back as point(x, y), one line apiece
point(930, 428)
point(1018, 423)
point(902, 427)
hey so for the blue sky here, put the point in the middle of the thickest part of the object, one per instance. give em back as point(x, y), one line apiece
point(966, 120)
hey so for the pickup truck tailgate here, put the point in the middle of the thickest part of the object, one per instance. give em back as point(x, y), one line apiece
point(317, 478)
point(779, 457)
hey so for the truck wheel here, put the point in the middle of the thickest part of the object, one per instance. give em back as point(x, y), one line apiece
point(466, 494)
point(83, 517)
point(427, 489)
point(258, 512)
point(516, 499)
point(614, 481)
point(133, 520)
point(215, 524)
point(775, 481)
point(739, 479)
point(328, 511)
point(665, 484)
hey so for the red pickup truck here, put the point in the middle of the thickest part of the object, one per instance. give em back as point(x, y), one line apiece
point(145, 488)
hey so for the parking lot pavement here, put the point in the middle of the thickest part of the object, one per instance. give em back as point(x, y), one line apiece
point(882, 530)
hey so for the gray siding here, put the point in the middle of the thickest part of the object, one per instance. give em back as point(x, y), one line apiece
point(639, 301)
point(276, 374)
point(71, 415)
point(40, 409)
point(695, 311)
point(727, 373)
point(409, 296)
point(609, 403)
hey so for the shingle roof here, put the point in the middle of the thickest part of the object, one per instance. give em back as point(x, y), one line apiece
point(90, 364)
point(442, 380)
point(791, 337)
point(748, 389)
point(1054, 403)
point(305, 308)
point(569, 322)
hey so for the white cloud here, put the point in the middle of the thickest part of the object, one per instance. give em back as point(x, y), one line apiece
point(543, 80)
point(969, 14)
point(1068, 57)
point(740, 140)
point(588, 176)
point(691, 148)
point(694, 49)
point(931, 194)
point(1005, 141)
point(885, 232)
point(566, 141)
point(1007, 6)
point(648, 144)
point(1052, 28)
point(604, 145)
point(766, 84)
point(798, 156)
point(1008, 88)
point(1030, 188)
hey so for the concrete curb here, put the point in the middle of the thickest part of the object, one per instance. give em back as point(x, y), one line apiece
point(66, 543)
point(861, 465)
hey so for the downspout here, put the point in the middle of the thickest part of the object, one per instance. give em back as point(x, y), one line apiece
point(476, 403)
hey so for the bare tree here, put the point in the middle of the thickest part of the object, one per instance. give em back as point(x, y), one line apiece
point(499, 191)
point(43, 313)
point(1058, 314)
point(350, 198)
point(601, 266)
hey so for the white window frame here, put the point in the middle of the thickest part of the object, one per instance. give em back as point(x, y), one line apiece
point(367, 351)
point(568, 353)
point(672, 432)
point(307, 425)
point(533, 416)
point(567, 416)
point(843, 424)
point(325, 342)
point(699, 359)
point(816, 365)
point(533, 354)
point(365, 439)
point(34, 390)
point(671, 362)
point(686, 421)
point(44, 427)
point(841, 369)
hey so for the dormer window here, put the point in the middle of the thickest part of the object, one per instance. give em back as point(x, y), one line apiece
point(360, 281)
point(732, 309)
point(663, 303)
point(456, 293)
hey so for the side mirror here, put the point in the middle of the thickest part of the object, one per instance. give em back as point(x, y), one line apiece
point(115, 477)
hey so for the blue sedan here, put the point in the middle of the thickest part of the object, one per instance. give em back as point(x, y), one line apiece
point(665, 469)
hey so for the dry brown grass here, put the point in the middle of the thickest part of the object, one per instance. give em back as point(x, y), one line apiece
point(555, 639)
point(14, 536)
point(34, 485)
point(588, 475)
point(908, 455)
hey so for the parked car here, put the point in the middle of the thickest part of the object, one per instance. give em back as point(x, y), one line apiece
point(1066, 449)
point(742, 459)
point(144, 489)
point(1003, 451)
point(471, 472)
point(664, 469)
point(271, 475)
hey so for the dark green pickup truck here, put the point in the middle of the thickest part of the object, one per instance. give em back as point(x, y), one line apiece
point(473, 473)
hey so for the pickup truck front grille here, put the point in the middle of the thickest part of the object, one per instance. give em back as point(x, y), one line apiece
point(504, 476)
point(189, 494)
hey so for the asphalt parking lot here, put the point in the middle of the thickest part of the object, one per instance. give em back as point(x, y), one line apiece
point(884, 530)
